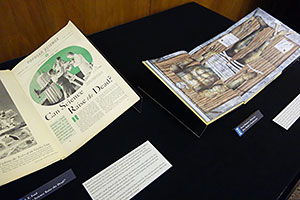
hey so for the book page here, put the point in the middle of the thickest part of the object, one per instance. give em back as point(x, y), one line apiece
point(75, 90)
point(25, 143)
point(231, 68)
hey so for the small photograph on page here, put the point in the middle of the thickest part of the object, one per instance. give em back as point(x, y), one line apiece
point(61, 75)
point(14, 133)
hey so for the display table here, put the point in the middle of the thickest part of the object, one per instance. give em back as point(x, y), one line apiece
point(262, 164)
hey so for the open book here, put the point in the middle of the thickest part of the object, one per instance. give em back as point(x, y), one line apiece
point(228, 70)
point(54, 101)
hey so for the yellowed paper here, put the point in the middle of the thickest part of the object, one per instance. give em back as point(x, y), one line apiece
point(66, 93)
point(75, 90)
point(25, 142)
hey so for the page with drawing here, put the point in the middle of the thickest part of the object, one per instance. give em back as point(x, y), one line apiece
point(231, 68)
point(25, 142)
point(76, 92)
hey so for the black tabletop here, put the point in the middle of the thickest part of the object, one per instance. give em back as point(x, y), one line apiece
point(219, 165)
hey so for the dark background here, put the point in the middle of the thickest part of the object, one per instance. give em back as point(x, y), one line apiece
point(286, 11)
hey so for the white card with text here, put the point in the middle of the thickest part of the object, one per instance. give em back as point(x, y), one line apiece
point(288, 116)
point(129, 175)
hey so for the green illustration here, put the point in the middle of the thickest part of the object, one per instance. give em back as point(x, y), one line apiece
point(61, 75)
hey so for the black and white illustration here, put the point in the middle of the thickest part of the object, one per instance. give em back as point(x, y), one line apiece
point(14, 133)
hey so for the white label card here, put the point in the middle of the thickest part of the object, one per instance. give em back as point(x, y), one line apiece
point(228, 39)
point(284, 46)
point(287, 117)
point(129, 175)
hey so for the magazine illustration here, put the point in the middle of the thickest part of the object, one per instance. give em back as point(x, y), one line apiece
point(54, 101)
point(14, 133)
point(61, 75)
point(232, 67)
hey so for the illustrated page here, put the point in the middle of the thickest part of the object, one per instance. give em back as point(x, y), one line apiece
point(232, 67)
point(74, 89)
point(26, 144)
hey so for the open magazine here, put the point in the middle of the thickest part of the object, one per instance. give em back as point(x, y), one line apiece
point(54, 101)
point(228, 70)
